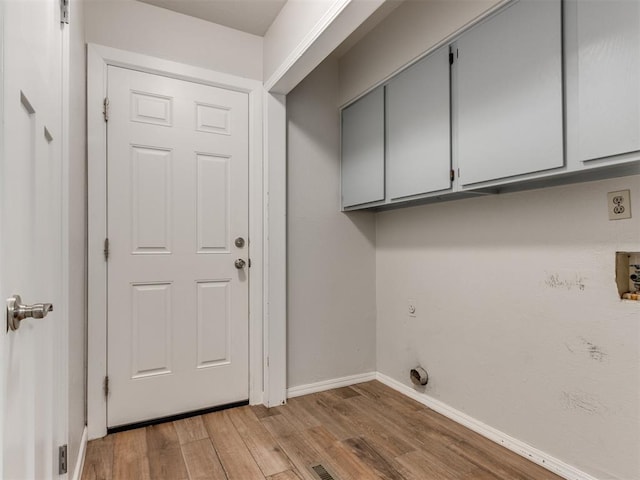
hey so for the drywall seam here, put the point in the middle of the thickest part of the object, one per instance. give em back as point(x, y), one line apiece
point(330, 384)
point(521, 448)
point(77, 472)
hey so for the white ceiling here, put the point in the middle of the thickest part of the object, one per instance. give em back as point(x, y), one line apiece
point(251, 16)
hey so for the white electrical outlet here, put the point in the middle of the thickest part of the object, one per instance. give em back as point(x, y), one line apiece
point(619, 204)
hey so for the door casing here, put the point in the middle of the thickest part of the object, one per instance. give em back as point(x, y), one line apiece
point(260, 374)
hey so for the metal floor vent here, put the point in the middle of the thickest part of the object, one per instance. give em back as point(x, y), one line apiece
point(321, 473)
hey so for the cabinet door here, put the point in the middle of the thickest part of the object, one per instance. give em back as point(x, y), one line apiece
point(509, 93)
point(608, 78)
point(363, 150)
point(418, 128)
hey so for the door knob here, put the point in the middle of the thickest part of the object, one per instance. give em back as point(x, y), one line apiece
point(16, 311)
point(240, 263)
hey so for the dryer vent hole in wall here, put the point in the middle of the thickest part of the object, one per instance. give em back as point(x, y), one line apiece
point(628, 275)
point(419, 376)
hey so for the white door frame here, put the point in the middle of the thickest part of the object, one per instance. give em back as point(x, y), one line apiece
point(262, 377)
point(2, 377)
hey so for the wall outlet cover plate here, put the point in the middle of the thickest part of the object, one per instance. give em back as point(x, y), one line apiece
point(619, 204)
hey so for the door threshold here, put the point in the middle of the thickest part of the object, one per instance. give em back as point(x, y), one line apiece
point(173, 418)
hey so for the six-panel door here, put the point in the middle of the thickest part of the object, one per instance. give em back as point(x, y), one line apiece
point(177, 200)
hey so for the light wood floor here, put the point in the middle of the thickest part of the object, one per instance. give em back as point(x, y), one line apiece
point(366, 431)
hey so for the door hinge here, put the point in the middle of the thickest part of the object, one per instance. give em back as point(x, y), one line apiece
point(106, 385)
point(450, 58)
point(105, 109)
point(62, 460)
point(452, 175)
point(106, 249)
point(64, 11)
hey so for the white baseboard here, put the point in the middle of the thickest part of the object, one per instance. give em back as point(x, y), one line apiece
point(77, 472)
point(530, 453)
point(329, 384)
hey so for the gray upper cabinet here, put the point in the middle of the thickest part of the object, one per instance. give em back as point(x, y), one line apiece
point(608, 86)
point(508, 93)
point(418, 128)
point(533, 83)
point(363, 150)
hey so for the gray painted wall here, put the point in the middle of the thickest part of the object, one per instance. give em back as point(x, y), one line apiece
point(331, 255)
point(518, 319)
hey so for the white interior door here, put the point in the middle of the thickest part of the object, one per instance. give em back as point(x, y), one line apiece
point(177, 156)
point(33, 410)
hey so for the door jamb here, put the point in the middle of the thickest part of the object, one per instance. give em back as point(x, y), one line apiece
point(98, 59)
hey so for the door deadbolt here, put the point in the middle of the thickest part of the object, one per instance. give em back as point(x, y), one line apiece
point(239, 242)
point(16, 311)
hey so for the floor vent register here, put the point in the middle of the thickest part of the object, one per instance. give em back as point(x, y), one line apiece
point(321, 473)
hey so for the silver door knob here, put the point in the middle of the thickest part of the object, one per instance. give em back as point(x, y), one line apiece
point(16, 311)
point(240, 263)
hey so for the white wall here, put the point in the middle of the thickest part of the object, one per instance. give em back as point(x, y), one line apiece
point(331, 255)
point(77, 286)
point(409, 31)
point(518, 318)
point(305, 33)
point(154, 31)
point(294, 22)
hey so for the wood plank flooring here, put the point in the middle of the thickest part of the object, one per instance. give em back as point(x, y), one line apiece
point(366, 431)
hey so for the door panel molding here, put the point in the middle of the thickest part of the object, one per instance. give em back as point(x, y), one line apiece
point(98, 59)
